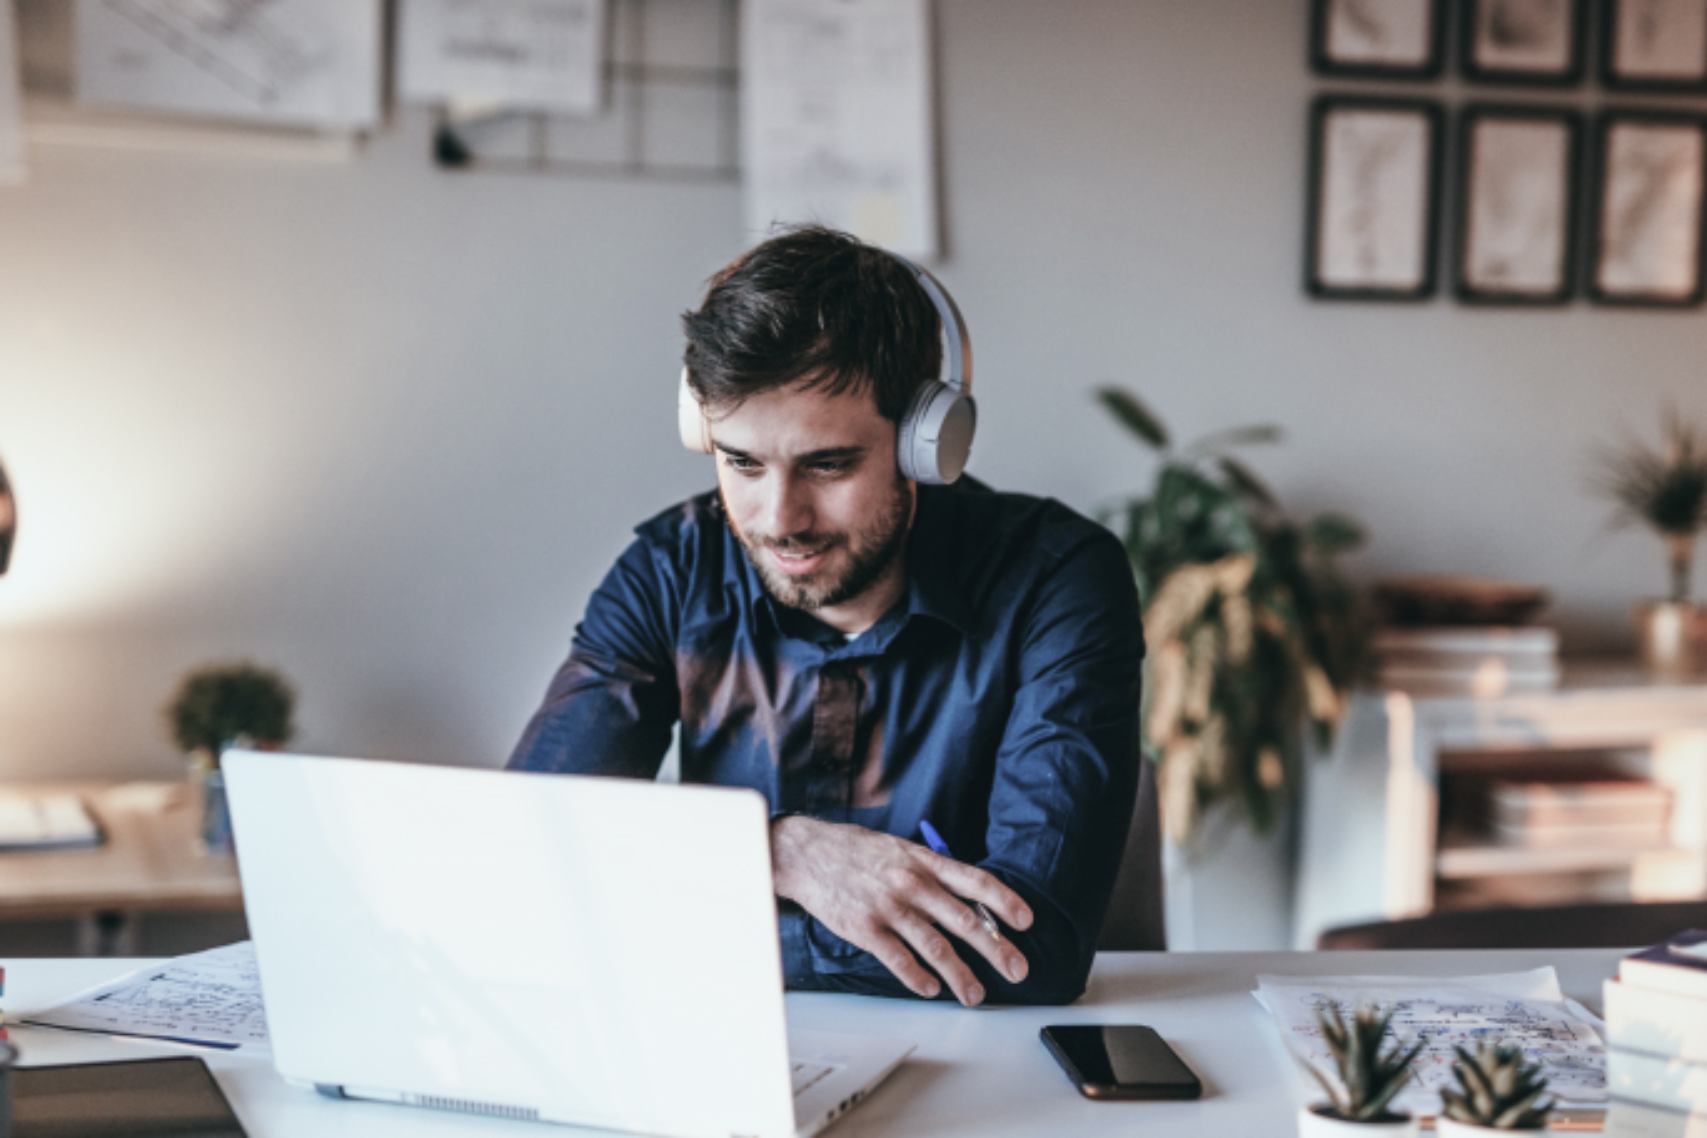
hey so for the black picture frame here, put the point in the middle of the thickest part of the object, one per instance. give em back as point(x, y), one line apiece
point(1543, 23)
point(1622, 67)
point(1632, 258)
point(1518, 204)
point(1363, 240)
point(1343, 42)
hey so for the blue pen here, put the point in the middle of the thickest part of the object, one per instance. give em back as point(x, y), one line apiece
point(940, 847)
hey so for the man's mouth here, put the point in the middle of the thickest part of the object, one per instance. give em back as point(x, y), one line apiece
point(799, 562)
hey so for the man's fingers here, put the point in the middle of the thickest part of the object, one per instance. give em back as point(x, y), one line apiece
point(894, 955)
point(957, 917)
point(927, 940)
point(975, 884)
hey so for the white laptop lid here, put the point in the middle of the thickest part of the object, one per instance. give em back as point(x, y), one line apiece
point(601, 950)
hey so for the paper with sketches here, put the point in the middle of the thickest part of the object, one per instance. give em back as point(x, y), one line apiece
point(209, 999)
point(538, 55)
point(312, 63)
point(836, 118)
point(1526, 1008)
point(11, 99)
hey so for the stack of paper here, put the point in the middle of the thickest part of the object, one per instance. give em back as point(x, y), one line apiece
point(1525, 1008)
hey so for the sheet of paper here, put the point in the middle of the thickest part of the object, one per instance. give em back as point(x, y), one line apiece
point(836, 119)
point(1526, 1008)
point(211, 999)
point(11, 99)
point(539, 55)
point(311, 63)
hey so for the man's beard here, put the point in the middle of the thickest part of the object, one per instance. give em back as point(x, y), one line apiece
point(872, 549)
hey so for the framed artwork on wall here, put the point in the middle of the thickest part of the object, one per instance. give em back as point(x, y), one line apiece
point(1654, 45)
point(1523, 41)
point(1378, 39)
point(1650, 170)
point(1372, 227)
point(1517, 204)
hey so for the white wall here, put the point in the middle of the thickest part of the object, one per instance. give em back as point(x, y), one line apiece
point(384, 427)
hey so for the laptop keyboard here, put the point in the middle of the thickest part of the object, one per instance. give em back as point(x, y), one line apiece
point(807, 1075)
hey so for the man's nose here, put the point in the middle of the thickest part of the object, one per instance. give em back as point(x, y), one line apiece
point(789, 507)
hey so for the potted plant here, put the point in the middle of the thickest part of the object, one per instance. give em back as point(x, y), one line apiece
point(1253, 637)
point(221, 706)
point(1497, 1090)
point(1360, 1100)
point(1666, 490)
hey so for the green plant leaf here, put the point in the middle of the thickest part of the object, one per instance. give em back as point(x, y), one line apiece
point(1134, 415)
point(1331, 534)
point(1257, 434)
point(1245, 481)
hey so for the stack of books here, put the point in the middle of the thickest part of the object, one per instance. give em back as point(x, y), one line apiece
point(1593, 807)
point(1656, 1028)
point(1491, 661)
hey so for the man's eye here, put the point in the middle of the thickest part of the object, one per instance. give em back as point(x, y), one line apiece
point(740, 464)
point(831, 468)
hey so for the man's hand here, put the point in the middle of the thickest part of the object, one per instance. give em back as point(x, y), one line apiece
point(896, 899)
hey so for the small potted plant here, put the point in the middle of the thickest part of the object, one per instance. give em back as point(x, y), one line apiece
point(1360, 1103)
point(1497, 1090)
point(1667, 490)
point(221, 706)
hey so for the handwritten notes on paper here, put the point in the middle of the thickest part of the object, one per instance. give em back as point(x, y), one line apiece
point(211, 999)
point(1526, 1008)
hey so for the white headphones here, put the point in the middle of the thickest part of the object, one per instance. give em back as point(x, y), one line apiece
point(934, 438)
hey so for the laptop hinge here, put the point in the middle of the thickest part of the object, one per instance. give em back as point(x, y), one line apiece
point(331, 1090)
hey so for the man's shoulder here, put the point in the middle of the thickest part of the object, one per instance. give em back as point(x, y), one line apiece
point(1012, 526)
point(686, 524)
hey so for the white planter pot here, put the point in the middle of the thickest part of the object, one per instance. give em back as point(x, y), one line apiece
point(1447, 1128)
point(1313, 1125)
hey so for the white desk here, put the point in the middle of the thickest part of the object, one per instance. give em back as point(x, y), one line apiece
point(977, 1073)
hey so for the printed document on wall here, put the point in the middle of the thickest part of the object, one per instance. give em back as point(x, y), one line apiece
point(11, 100)
point(307, 63)
point(836, 118)
point(536, 55)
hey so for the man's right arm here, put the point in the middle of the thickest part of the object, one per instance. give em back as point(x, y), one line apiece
point(610, 708)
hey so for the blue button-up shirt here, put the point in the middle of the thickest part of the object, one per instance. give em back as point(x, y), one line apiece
point(998, 699)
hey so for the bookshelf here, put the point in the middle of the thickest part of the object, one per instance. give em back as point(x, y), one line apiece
point(1395, 823)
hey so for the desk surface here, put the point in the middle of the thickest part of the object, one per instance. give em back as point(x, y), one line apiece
point(976, 1072)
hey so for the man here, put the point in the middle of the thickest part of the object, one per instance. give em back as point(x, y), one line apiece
point(870, 653)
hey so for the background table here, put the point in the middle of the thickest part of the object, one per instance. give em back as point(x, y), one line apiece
point(149, 863)
point(978, 1072)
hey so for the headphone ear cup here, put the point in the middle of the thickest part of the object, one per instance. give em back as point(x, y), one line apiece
point(690, 418)
point(934, 438)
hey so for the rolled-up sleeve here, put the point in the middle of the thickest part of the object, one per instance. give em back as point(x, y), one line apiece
point(611, 707)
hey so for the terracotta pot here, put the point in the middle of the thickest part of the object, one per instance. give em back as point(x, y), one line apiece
point(1673, 638)
point(1312, 1124)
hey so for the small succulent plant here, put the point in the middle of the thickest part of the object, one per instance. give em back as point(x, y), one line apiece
point(219, 705)
point(1497, 1089)
point(1368, 1077)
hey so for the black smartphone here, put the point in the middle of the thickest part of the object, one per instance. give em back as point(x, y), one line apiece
point(1120, 1061)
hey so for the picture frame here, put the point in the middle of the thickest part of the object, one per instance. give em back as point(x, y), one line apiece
point(1535, 42)
point(1378, 39)
point(1517, 204)
point(1654, 45)
point(1372, 226)
point(1647, 233)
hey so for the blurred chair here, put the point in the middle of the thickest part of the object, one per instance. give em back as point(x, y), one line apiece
point(1135, 911)
point(1617, 925)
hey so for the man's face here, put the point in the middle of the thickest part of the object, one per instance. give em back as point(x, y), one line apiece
point(810, 487)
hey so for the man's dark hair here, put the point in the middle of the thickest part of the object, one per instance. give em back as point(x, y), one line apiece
point(817, 308)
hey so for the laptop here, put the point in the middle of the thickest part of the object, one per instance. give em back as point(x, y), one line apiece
point(599, 952)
